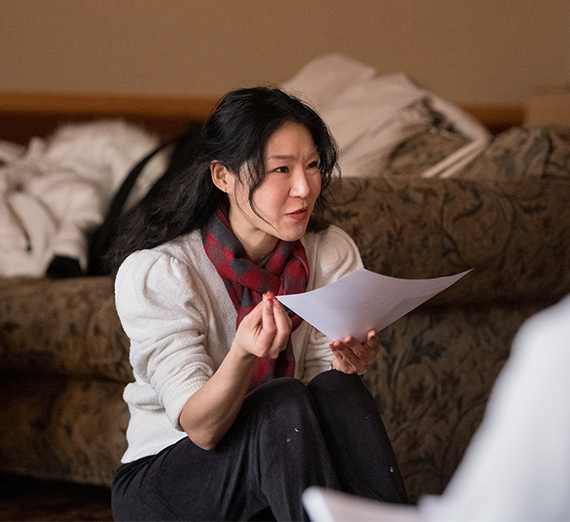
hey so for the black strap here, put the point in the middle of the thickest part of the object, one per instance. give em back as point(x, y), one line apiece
point(185, 149)
point(102, 237)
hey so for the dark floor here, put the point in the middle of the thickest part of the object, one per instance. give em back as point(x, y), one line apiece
point(26, 498)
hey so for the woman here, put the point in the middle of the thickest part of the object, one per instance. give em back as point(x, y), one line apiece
point(234, 411)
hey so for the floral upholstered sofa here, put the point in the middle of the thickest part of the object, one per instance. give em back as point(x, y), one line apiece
point(64, 357)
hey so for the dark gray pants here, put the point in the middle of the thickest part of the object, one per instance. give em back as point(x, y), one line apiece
point(286, 438)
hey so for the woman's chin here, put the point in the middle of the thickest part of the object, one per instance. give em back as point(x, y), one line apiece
point(294, 233)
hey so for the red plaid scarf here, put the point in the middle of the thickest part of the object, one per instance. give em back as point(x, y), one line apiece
point(285, 271)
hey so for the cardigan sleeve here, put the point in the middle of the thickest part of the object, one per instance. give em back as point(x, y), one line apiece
point(166, 318)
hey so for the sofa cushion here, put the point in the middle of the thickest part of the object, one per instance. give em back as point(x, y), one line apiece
point(513, 233)
point(432, 380)
point(62, 428)
point(62, 327)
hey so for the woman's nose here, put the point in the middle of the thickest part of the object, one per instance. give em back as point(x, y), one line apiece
point(300, 187)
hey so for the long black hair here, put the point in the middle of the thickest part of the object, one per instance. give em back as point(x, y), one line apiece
point(235, 135)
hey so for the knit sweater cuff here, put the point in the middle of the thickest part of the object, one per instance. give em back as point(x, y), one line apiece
point(175, 403)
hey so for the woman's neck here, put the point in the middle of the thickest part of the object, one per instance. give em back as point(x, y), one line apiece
point(258, 249)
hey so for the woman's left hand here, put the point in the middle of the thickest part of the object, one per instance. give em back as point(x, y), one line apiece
point(353, 356)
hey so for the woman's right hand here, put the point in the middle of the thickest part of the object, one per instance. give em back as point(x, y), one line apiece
point(210, 411)
point(265, 331)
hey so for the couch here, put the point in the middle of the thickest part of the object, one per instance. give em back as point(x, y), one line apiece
point(64, 357)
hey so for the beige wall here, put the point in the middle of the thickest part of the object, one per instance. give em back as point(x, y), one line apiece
point(469, 51)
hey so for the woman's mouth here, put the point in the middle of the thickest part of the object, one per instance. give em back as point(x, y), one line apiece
point(298, 215)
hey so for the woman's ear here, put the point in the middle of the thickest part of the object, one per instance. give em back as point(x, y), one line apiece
point(222, 177)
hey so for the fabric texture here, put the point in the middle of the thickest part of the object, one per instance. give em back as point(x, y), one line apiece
point(285, 271)
point(370, 115)
point(181, 321)
point(524, 152)
point(286, 438)
point(55, 191)
point(516, 466)
point(64, 356)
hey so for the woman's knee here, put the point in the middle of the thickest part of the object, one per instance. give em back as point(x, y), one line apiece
point(334, 381)
point(328, 386)
point(284, 390)
point(281, 402)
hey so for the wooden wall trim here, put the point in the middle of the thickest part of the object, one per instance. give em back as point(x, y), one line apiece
point(149, 107)
point(496, 118)
point(106, 104)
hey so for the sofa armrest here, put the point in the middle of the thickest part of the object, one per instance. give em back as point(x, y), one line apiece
point(62, 327)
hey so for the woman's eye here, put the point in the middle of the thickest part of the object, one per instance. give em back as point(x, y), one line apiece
point(314, 165)
point(283, 169)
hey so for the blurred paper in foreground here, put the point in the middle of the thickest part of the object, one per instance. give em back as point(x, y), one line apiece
point(325, 505)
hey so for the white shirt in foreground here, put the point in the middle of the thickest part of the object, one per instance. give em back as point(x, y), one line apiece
point(517, 467)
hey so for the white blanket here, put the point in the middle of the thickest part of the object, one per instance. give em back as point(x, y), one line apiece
point(55, 191)
point(369, 115)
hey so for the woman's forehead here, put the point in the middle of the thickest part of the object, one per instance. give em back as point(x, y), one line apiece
point(289, 142)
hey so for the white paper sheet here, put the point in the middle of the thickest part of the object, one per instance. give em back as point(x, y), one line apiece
point(363, 301)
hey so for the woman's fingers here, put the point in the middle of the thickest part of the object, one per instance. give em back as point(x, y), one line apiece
point(267, 327)
point(372, 341)
point(265, 331)
point(353, 356)
point(282, 324)
point(346, 360)
point(249, 330)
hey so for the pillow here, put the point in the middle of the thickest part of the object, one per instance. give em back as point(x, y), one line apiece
point(525, 151)
point(423, 151)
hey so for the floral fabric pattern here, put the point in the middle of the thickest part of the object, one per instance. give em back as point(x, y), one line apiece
point(64, 357)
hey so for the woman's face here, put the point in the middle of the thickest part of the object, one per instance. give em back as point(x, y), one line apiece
point(284, 201)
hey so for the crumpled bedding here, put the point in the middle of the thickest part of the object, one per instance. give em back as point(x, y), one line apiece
point(370, 115)
point(54, 192)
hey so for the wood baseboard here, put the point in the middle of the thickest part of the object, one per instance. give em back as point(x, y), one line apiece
point(31, 103)
point(27, 114)
point(496, 118)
